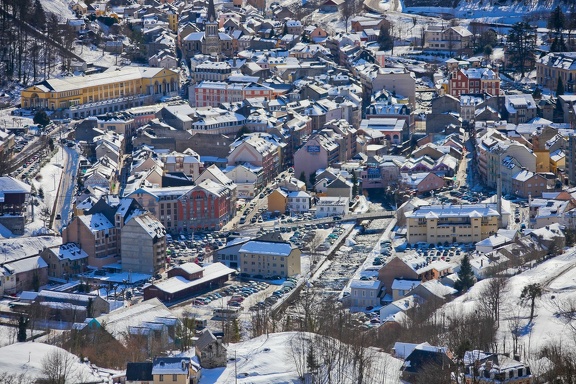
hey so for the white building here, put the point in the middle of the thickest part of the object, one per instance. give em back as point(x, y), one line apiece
point(332, 206)
point(364, 293)
point(298, 202)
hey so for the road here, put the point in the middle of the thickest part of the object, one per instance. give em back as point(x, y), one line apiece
point(63, 204)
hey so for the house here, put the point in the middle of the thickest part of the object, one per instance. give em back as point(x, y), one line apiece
point(395, 311)
point(178, 370)
point(210, 350)
point(432, 290)
point(13, 198)
point(339, 187)
point(422, 181)
point(520, 108)
point(298, 202)
point(332, 206)
point(401, 287)
point(277, 201)
point(497, 240)
point(65, 260)
point(452, 39)
point(319, 152)
point(364, 293)
point(425, 358)
point(330, 6)
point(485, 367)
point(474, 80)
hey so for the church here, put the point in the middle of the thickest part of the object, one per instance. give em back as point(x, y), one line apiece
point(211, 41)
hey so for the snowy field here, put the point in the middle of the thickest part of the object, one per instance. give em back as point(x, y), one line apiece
point(59, 8)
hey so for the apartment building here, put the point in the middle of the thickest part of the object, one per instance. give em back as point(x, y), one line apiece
point(259, 150)
point(451, 39)
point(267, 258)
point(143, 244)
point(474, 80)
point(214, 93)
point(553, 66)
point(436, 224)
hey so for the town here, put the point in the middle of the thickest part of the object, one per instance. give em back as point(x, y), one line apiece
point(297, 191)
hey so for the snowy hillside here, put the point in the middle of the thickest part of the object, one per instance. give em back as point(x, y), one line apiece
point(558, 280)
point(59, 8)
point(270, 359)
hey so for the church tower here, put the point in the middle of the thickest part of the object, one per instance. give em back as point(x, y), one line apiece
point(211, 44)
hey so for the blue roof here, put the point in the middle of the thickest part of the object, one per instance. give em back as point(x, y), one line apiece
point(267, 248)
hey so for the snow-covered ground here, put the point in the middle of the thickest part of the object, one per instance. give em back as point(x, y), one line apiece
point(59, 8)
point(270, 359)
point(559, 285)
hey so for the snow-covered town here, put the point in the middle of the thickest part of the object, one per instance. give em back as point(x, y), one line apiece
point(296, 191)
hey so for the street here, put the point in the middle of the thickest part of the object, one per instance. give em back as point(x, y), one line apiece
point(65, 193)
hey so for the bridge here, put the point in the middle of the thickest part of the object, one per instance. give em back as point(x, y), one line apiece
point(352, 217)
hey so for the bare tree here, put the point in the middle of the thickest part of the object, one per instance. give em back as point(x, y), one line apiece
point(185, 331)
point(58, 367)
point(491, 297)
point(15, 378)
point(349, 9)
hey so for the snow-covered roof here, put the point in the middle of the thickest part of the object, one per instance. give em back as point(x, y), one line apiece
point(178, 283)
point(190, 268)
point(69, 251)
point(96, 222)
point(8, 184)
point(365, 284)
point(438, 289)
point(449, 210)
point(267, 248)
point(404, 285)
point(22, 247)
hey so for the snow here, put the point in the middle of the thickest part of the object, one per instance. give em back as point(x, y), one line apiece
point(269, 359)
point(27, 358)
point(59, 8)
point(559, 286)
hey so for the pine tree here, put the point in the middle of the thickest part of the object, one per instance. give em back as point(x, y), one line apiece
point(560, 87)
point(22, 325)
point(302, 177)
point(354, 184)
point(385, 40)
point(521, 45)
point(465, 276)
point(529, 295)
point(312, 179)
point(557, 20)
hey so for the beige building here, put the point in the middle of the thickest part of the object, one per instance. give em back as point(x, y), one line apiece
point(452, 223)
point(65, 260)
point(161, 202)
point(143, 244)
point(268, 258)
point(175, 370)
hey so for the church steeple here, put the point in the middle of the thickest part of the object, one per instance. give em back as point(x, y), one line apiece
point(211, 16)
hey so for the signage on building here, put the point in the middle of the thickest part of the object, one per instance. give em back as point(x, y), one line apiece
point(313, 148)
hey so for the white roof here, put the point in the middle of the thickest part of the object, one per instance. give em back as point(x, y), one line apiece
point(365, 284)
point(96, 222)
point(404, 285)
point(191, 268)
point(449, 210)
point(266, 248)
point(178, 283)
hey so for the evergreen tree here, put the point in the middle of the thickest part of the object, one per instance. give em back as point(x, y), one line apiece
point(465, 275)
point(312, 179)
point(38, 16)
point(354, 184)
point(529, 295)
point(559, 87)
point(385, 40)
point(521, 44)
point(41, 118)
point(22, 325)
point(557, 20)
point(302, 177)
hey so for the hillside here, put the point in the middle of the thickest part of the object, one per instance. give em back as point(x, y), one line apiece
point(59, 8)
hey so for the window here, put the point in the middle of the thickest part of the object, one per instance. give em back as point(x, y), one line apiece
point(174, 377)
point(161, 377)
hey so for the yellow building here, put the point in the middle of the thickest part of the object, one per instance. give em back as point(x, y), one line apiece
point(113, 90)
point(267, 258)
point(277, 201)
point(436, 224)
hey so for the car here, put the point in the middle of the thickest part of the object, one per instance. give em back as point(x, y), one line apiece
point(58, 217)
point(369, 308)
point(234, 304)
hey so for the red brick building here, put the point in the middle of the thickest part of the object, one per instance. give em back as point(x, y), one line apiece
point(474, 80)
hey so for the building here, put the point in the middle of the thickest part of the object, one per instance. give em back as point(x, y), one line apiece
point(453, 39)
point(269, 258)
point(553, 66)
point(143, 244)
point(422, 182)
point(439, 224)
point(394, 130)
point(260, 150)
point(298, 202)
point(188, 280)
point(162, 203)
point(520, 108)
point(474, 80)
point(208, 205)
point(13, 198)
point(365, 293)
point(332, 206)
point(319, 152)
point(210, 350)
point(484, 367)
point(176, 370)
point(213, 93)
point(65, 260)
point(278, 201)
point(110, 91)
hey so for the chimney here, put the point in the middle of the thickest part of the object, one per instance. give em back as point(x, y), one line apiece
point(481, 263)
